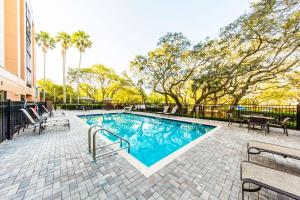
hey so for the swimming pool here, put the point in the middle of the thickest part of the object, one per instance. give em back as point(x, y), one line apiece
point(151, 139)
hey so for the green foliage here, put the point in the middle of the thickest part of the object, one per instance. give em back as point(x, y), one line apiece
point(65, 40)
point(44, 40)
point(259, 47)
point(99, 82)
point(81, 40)
point(79, 106)
point(166, 69)
point(155, 98)
point(51, 87)
point(254, 59)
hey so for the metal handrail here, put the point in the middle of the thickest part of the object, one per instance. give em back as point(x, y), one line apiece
point(89, 135)
point(110, 132)
point(114, 134)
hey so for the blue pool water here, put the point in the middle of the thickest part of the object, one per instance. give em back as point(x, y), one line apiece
point(151, 139)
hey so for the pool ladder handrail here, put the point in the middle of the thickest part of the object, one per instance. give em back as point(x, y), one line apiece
point(93, 148)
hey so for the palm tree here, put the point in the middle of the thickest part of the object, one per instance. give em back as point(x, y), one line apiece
point(45, 41)
point(82, 42)
point(65, 40)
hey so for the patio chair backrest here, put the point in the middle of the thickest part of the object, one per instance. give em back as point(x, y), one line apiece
point(143, 107)
point(28, 115)
point(166, 108)
point(174, 109)
point(35, 113)
point(286, 120)
point(47, 111)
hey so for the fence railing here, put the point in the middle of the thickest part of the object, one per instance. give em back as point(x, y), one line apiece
point(220, 112)
point(215, 112)
point(11, 116)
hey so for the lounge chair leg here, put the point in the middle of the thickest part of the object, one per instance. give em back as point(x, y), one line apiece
point(40, 129)
point(286, 131)
point(265, 131)
point(243, 191)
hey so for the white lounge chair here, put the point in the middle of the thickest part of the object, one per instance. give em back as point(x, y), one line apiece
point(41, 124)
point(173, 111)
point(128, 108)
point(166, 108)
point(256, 147)
point(139, 107)
point(45, 118)
point(51, 113)
point(271, 179)
point(136, 107)
point(142, 107)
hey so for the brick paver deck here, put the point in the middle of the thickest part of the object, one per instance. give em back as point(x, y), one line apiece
point(56, 165)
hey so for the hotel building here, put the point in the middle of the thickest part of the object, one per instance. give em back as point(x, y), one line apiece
point(17, 51)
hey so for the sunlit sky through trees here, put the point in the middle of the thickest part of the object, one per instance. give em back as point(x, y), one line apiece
point(121, 29)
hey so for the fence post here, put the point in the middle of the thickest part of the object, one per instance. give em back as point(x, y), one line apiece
point(8, 110)
point(298, 117)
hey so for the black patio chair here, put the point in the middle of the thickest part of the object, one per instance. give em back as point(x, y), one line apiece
point(281, 124)
point(238, 119)
point(263, 123)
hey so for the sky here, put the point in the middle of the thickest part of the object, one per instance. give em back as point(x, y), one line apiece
point(122, 29)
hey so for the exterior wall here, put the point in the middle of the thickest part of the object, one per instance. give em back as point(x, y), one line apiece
point(22, 39)
point(11, 36)
point(13, 72)
point(33, 58)
point(1, 33)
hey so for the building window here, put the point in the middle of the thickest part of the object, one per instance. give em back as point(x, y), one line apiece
point(1, 33)
point(3, 95)
point(23, 97)
point(28, 48)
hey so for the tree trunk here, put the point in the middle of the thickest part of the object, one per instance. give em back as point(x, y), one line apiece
point(166, 100)
point(78, 95)
point(64, 78)
point(142, 95)
point(44, 83)
point(178, 103)
point(143, 99)
point(196, 105)
point(237, 98)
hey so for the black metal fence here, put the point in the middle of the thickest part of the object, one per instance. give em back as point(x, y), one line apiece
point(11, 116)
point(214, 112)
point(220, 112)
